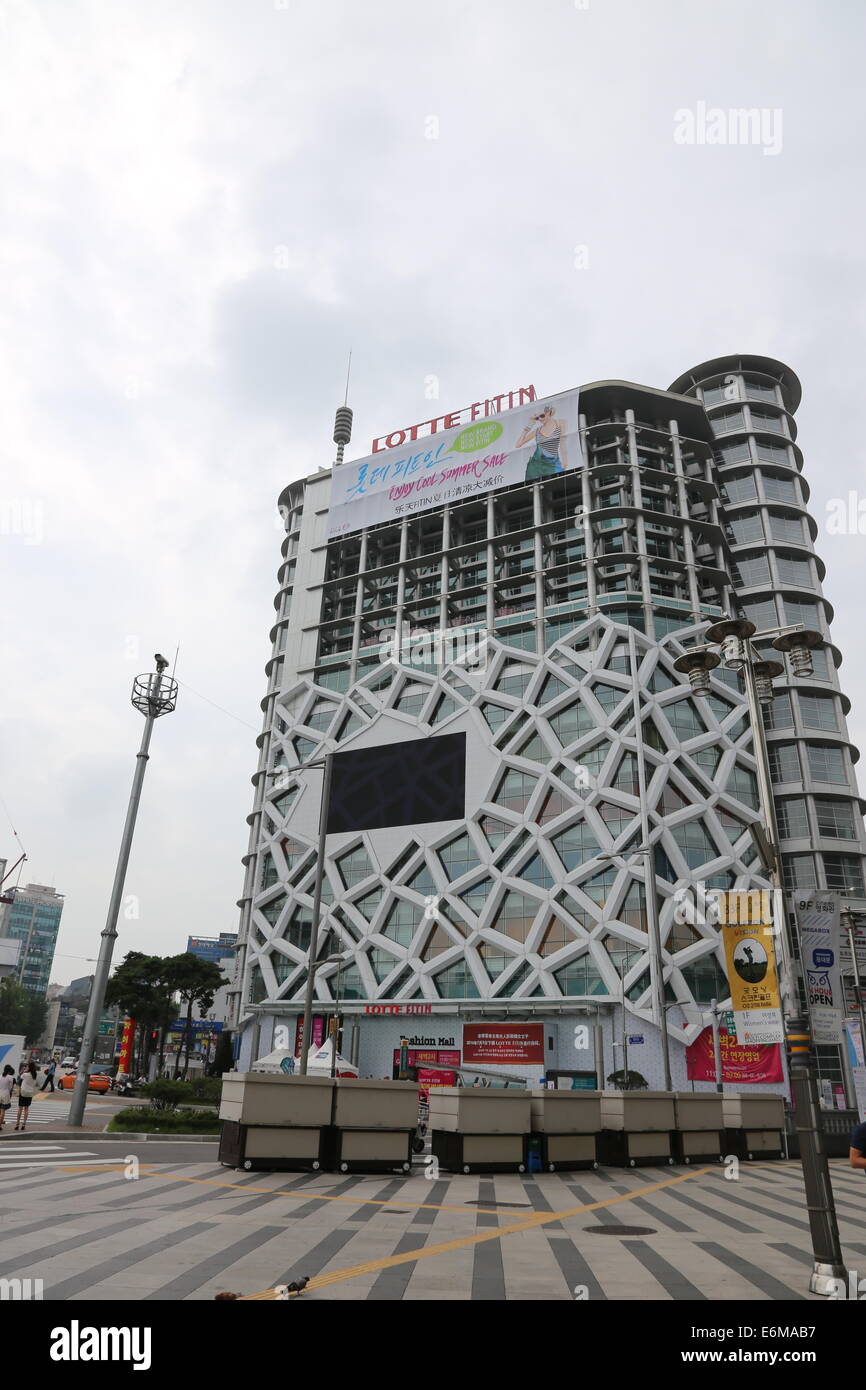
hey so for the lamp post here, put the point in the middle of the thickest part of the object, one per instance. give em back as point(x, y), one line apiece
point(153, 695)
point(734, 636)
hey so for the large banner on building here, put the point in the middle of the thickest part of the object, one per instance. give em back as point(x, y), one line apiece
point(504, 1044)
point(818, 928)
point(745, 920)
point(519, 445)
point(742, 1065)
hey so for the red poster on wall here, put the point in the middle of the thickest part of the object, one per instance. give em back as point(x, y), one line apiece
point(504, 1044)
point(741, 1063)
point(317, 1035)
point(127, 1044)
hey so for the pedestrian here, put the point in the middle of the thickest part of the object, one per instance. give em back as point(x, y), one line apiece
point(857, 1152)
point(49, 1076)
point(28, 1085)
point(7, 1081)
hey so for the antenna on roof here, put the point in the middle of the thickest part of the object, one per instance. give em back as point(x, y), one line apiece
point(343, 419)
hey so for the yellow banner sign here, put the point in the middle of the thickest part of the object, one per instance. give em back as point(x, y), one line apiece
point(745, 920)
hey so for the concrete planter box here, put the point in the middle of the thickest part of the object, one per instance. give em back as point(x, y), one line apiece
point(480, 1153)
point(257, 1098)
point(373, 1150)
point(754, 1112)
point(620, 1148)
point(565, 1112)
point(568, 1151)
point(480, 1110)
point(273, 1149)
point(638, 1112)
point(376, 1105)
point(696, 1111)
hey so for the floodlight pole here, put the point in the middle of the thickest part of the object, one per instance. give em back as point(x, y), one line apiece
point(828, 1264)
point(153, 695)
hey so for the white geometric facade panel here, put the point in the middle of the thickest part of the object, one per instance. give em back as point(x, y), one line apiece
point(517, 901)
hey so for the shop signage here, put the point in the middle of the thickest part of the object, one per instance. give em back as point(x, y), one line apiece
point(398, 1008)
point(506, 1044)
point(466, 415)
point(429, 1057)
point(817, 916)
point(741, 1064)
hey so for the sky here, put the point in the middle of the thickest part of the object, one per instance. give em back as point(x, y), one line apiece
point(205, 204)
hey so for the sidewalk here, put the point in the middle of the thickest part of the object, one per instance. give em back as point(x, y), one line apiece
point(49, 1116)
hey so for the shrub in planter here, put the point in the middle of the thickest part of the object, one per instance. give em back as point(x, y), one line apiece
point(166, 1095)
point(628, 1081)
point(145, 1120)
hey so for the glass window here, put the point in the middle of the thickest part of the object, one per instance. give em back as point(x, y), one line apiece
point(826, 764)
point(794, 571)
point(762, 614)
point(792, 818)
point(751, 570)
point(844, 873)
point(802, 611)
point(763, 420)
point(576, 845)
point(786, 528)
point(779, 715)
point(695, 844)
point(515, 790)
point(818, 711)
point(740, 488)
point(742, 529)
point(784, 762)
point(580, 976)
point(735, 453)
point(780, 489)
point(707, 980)
point(836, 819)
point(728, 420)
point(456, 982)
point(798, 871)
point(768, 452)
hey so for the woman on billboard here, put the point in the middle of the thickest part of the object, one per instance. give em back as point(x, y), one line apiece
point(548, 456)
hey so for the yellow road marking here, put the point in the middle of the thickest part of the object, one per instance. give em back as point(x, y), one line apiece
point(426, 1252)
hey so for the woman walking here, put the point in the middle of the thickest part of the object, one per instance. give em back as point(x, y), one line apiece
point(7, 1081)
point(28, 1085)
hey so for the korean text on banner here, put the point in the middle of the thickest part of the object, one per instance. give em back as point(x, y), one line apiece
point(818, 928)
point(746, 924)
point(524, 444)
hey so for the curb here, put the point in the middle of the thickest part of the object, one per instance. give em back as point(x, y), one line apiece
point(117, 1135)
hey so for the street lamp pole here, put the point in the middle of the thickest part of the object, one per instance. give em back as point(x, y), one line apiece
point(153, 695)
point(650, 895)
point(734, 636)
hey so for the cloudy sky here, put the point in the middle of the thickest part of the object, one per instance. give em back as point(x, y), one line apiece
point(206, 203)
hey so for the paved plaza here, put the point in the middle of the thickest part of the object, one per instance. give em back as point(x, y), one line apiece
point(74, 1214)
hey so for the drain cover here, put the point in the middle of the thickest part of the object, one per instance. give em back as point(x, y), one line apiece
point(620, 1230)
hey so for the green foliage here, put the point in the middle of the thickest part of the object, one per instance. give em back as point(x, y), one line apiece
point(21, 1011)
point(628, 1081)
point(206, 1090)
point(165, 1095)
point(142, 1119)
point(139, 988)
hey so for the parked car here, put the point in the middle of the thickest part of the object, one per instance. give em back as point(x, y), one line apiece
point(98, 1080)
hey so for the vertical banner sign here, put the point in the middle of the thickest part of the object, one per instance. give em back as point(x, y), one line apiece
point(534, 440)
point(818, 927)
point(854, 1043)
point(746, 924)
point(127, 1042)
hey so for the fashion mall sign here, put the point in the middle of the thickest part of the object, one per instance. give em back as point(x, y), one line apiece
point(468, 459)
point(466, 415)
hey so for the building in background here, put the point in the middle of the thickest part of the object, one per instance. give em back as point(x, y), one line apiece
point(33, 919)
point(213, 948)
point(678, 507)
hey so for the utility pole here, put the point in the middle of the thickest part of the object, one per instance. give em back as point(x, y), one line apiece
point(153, 695)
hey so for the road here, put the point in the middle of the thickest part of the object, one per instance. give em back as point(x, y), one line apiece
point(122, 1220)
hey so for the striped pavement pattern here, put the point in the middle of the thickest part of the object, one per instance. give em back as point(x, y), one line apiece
point(187, 1230)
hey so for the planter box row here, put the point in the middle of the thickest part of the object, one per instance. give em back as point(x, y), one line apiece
point(292, 1149)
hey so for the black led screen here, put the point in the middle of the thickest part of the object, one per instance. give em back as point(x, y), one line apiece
point(412, 783)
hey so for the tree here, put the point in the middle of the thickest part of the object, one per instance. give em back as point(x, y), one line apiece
point(21, 1011)
point(141, 990)
point(196, 981)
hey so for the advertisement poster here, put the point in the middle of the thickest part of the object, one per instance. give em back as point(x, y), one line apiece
point(504, 1044)
point(854, 1044)
point(449, 1057)
point(745, 921)
point(817, 917)
point(741, 1064)
point(127, 1044)
point(528, 442)
point(317, 1035)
